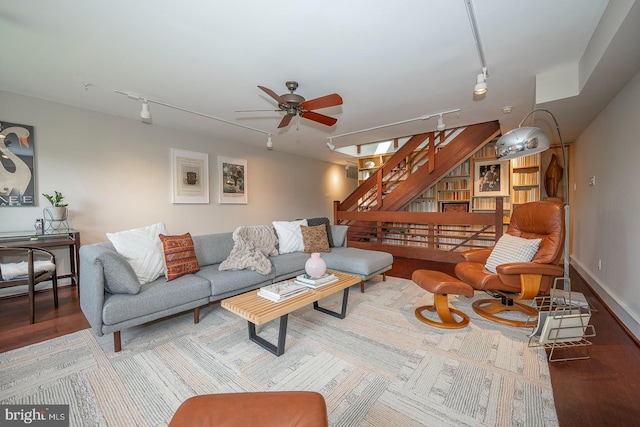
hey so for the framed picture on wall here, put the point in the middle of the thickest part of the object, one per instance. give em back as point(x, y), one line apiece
point(491, 178)
point(190, 176)
point(232, 180)
point(17, 172)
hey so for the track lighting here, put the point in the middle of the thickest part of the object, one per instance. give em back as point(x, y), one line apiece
point(269, 143)
point(330, 145)
point(145, 114)
point(481, 83)
point(441, 126)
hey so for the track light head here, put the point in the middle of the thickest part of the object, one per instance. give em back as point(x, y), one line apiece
point(330, 145)
point(145, 114)
point(269, 143)
point(481, 83)
point(441, 126)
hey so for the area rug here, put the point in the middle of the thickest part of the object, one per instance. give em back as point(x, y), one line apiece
point(379, 366)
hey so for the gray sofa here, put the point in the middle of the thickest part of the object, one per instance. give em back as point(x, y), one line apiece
point(110, 307)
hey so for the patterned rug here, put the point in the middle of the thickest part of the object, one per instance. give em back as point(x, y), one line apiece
point(379, 366)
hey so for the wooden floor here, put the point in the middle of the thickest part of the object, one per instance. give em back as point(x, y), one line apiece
point(602, 390)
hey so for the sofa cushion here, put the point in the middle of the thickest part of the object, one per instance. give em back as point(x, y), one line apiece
point(312, 222)
point(357, 261)
point(213, 248)
point(511, 249)
point(289, 265)
point(315, 239)
point(142, 249)
point(225, 281)
point(154, 297)
point(179, 256)
point(119, 277)
point(289, 235)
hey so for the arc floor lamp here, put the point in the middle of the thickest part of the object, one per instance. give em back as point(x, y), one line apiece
point(524, 141)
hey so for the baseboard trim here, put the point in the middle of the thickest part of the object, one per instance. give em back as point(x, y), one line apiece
point(626, 320)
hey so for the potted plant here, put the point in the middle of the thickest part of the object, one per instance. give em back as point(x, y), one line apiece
point(58, 209)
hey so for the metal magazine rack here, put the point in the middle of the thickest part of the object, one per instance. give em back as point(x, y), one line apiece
point(563, 323)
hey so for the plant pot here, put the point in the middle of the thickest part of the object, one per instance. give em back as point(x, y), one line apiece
point(56, 214)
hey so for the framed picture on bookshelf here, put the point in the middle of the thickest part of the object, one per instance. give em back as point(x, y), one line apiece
point(455, 206)
point(491, 178)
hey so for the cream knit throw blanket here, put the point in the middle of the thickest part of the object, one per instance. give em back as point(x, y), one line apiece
point(252, 247)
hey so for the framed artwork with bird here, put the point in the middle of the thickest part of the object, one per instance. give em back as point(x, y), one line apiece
point(17, 160)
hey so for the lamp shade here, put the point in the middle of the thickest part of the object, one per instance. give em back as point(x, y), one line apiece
point(521, 142)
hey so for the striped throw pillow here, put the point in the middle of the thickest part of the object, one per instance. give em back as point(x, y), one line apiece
point(179, 256)
point(511, 249)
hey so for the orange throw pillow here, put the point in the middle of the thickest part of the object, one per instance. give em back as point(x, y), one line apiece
point(315, 238)
point(179, 256)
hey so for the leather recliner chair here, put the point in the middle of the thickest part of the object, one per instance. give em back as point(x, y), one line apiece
point(520, 280)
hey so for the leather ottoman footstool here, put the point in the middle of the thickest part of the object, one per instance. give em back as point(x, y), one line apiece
point(441, 284)
point(267, 409)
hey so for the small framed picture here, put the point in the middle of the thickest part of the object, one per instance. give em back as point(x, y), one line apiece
point(232, 180)
point(491, 178)
point(190, 176)
point(455, 206)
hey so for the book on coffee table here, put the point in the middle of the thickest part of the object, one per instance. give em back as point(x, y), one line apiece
point(282, 291)
point(314, 283)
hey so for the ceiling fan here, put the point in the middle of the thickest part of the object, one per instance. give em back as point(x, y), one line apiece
point(295, 105)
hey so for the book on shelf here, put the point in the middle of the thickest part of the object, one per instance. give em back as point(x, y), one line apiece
point(282, 291)
point(325, 279)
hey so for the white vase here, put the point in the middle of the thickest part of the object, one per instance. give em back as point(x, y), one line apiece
point(315, 266)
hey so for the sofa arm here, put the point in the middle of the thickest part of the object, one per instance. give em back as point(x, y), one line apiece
point(92, 284)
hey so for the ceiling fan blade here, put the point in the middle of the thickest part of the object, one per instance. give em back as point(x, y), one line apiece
point(273, 95)
point(322, 102)
point(285, 121)
point(320, 118)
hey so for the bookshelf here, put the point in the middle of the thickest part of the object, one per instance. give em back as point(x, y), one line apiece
point(525, 180)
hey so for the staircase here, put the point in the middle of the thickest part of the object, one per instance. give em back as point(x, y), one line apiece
point(417, 165)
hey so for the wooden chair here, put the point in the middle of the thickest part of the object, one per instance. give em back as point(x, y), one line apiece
point(24, 266)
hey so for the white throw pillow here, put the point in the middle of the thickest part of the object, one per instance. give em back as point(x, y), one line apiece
point(143, 249)
point(511, 249)
point(290, 235)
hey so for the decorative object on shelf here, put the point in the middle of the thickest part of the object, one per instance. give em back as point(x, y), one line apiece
point(369, 164)
point(455, 206)
point(58, 210)
point(552, 177)
point(315, 266)
point(55, 216)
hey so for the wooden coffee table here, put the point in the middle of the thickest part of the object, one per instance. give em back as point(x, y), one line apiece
point(257, 310)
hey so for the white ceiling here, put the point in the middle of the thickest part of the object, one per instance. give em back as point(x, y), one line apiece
point(390, 61)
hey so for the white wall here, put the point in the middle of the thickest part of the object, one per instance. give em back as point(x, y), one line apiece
point(605, 216)
point(116, 175)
